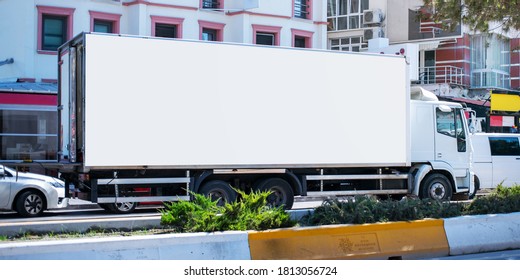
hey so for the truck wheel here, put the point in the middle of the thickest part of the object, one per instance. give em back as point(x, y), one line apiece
point(105, 206)
point(219, 191)
point(121, 207)
point(477, 187)
point(436, 186)
point(282, 193)
point(30, 204)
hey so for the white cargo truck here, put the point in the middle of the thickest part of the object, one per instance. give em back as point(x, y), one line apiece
point(150, 119)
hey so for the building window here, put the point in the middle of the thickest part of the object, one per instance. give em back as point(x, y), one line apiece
point(345, 14)
point(209, 34)
point(103, 26)
point(212, 4)
point(27, 134)
point(263, 38)
point(266, 35)
point(349, 44)
point(54, 28)
point(104, 22)
point(427, 68)
point(211, 31)
point(490, 61)
point(301, 38)
point(303, 9)
point(300, 42)
point(165, 30)
point(54, 32)
point(167, 27)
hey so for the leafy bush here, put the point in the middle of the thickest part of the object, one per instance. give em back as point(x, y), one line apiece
point(202, 214)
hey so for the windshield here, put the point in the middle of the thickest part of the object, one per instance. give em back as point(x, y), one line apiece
point(7, 170)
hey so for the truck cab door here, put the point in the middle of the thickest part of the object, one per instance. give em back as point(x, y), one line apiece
point(451, 145)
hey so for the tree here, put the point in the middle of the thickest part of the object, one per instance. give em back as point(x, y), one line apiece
point(477, 14)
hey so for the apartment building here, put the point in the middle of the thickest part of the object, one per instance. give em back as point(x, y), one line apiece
point(32, 30)
point(460, 64)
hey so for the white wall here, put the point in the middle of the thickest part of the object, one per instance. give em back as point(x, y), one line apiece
point(17, 38)
point(397, 18)
point(19, 24)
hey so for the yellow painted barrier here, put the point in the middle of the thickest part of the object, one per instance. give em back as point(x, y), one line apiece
point(395, 240)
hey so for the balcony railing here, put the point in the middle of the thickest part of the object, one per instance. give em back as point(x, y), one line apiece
point(490, 78)
point(441, 75)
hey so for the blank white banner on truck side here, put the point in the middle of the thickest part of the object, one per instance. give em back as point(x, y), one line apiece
point(157, 102)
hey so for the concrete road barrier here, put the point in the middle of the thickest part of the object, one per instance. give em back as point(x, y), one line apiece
point(396, 240)
point(192, 246)
point(483, 233)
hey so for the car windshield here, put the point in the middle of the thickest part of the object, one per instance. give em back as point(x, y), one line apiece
point(7, 170)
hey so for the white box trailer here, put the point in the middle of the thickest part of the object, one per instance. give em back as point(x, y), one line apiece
point(143, 118)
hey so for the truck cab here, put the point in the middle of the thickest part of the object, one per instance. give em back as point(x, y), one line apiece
point(441, 148)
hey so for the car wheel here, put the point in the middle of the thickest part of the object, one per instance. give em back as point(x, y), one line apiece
point(281, 192)
point(30, 204)
point(436, 186)
point(219, 191)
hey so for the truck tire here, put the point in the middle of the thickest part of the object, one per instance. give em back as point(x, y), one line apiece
point(104, 206)
point(282, 193)
point(30, 204)
point(477, 187)
point(120, 207)
point(436, 186)
point(219, 191)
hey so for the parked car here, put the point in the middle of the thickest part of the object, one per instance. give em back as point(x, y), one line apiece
point(30, 194)
point(496, 159)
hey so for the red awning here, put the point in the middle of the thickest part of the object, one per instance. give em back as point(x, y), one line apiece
point(28, 99)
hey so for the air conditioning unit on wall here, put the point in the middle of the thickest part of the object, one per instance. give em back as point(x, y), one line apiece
point(372, 16)
point(372, 33)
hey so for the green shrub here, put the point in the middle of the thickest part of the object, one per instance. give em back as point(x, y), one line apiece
point(191, 216)
point(501, 200)
point(252, 212)
point(367, 209)
point(202, 214)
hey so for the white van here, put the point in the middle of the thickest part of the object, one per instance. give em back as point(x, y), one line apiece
point(496, 159)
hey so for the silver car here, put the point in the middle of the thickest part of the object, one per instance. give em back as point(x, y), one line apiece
point(30, 194)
